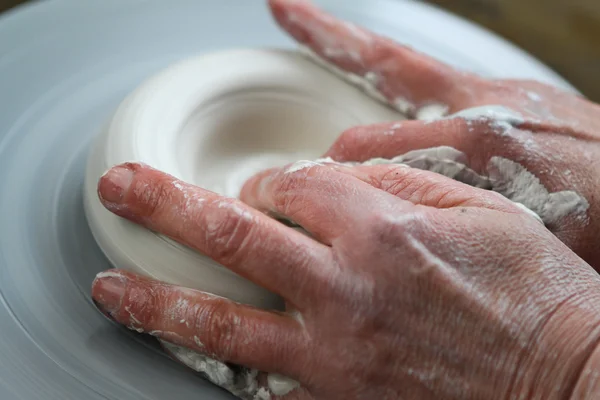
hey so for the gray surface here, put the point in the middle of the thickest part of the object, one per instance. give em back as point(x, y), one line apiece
point(64, 66)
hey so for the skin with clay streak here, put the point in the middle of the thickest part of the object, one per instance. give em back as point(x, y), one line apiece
point(411, 284)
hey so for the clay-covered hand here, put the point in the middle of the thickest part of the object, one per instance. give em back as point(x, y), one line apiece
point(538, 145)
point(410, 285)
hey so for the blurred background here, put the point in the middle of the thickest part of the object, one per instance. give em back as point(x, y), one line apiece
point(564, 34)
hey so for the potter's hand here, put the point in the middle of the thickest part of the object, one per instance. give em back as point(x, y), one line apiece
point(552, 134)
point(412, 286)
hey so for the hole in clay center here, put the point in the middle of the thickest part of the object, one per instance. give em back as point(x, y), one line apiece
point(229, 140)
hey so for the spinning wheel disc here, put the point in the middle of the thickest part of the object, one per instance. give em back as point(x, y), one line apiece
point(64, 68)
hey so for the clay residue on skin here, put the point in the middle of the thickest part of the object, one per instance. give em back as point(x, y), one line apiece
point(332, 44)
point(528, 211)
point(298, 317)
point(501, 118)
point(234, 207)
point(111, 274)
point(431, 112)
point(193, 200)
point(262, 394)
point(490, 112)
point(180, 308)
point(134, 323)
point(281, 385)
point(393, 129)
point(300, 165)
point(404, 105)
point(367, 83)
point(534, 96)
point(198, 342)
point(429, 260)
point(370, 84)
point(513, 181)
point(505, 177)
point(215, 371)
point(443, 160)
point(241, 382)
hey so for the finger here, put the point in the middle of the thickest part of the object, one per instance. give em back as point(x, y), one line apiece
point(233, 234)
point(473, 141)
point(321, 200)
point(531, 169)
point(428, 188)
point(208, 324)
point(422, 87)
point(409, 80)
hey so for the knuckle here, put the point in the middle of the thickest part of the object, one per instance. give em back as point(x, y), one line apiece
point(152, 197)
point(355, 141)
point(427, 191)
point(442, 195)
point(287, 191)
point(409, 188)
point(221, 326)
point(285, 183)
point(389, 227)
point(350, 137)
point(394, 179)
point(140, 308)
point(227, 228)
point(419, 187)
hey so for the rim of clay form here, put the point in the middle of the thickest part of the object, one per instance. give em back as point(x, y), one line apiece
point(215, 120)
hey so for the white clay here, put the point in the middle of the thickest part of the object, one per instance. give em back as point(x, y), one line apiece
point(208, 122)
point(281, 385)
point(501, 118)
point(262, 394)
point(530, 212)
point(491, 112)
point(432, 112)
point(242, 383)
point(533, 96)
point(300, 165)
point(215, 371)
point(443, 160)
point(403, 105)
point(367, 83)
point(513, 181)
point(506, 177)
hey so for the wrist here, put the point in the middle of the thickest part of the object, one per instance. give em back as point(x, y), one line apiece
point(587, 386)
point(564, 358)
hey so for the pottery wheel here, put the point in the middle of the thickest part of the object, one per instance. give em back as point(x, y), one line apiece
point(64, 68)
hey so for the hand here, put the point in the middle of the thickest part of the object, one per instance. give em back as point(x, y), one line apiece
point(412, 285)
point(539, 145)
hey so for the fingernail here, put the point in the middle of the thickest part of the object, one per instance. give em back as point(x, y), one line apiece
point(108, 290)
point(107, 315)
point(113, 186)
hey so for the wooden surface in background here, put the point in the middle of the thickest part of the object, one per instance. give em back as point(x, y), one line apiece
point(6, 4)
point(565, 34)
